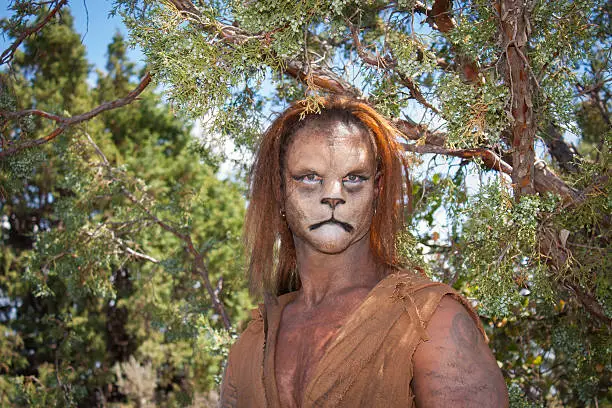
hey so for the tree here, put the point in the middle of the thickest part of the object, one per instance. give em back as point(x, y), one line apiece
point(483, 90)
point(101, 302)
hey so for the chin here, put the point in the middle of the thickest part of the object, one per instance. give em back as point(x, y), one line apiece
point(331, 240)
point(332, 248)
point(335, 245)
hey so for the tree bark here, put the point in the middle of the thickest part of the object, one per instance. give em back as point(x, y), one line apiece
point(515, 30)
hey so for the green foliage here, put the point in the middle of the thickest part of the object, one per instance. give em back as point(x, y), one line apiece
point(562, 33)
point(221, 77)
point(412, 54)
point(91, 279)
point(476, 32)
point(588, 229)
point(475, 113)
point(499, 229)
point(410, 253)
point(518, 399)
point(590, 122)
point(384, 95)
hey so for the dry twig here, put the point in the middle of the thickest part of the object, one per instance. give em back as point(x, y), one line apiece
point(64, 122)
point(7, 54)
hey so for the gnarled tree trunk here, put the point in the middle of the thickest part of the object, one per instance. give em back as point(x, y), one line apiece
point(515, 31)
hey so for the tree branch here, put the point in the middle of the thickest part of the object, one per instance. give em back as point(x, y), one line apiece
point(232, 35)
point(388, 63)
point(489, 158)
point(65, 122)
point(140, 255)
point(415, 91)
point(35, 112)
point(366, 56)
point(322, 78)
point(545, 180)
point(441, 14)
point(7, 54)
point(199, 266)
point(414, 131)
point(564, 154)
point(589, 302)
point(440, 17)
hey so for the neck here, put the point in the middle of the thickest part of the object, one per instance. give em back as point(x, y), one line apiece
point(325, 276)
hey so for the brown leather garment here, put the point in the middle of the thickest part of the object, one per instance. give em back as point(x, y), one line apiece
point(368, 364)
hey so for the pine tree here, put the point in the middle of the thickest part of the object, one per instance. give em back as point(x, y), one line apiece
point(101, 303)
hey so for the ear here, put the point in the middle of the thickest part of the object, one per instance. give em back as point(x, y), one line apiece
point(377, 189)
point(377, 183)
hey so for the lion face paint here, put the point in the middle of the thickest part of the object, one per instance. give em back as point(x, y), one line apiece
point(329, 178)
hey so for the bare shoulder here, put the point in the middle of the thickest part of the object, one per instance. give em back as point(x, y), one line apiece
point(455, 367)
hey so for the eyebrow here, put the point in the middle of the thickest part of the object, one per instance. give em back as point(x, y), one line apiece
point(302, 170)
point(302, 166)
point(359, 169)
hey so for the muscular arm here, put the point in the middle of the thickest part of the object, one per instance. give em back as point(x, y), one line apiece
point(455, 367)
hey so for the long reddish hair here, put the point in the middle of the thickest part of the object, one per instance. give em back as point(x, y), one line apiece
point(268, 240)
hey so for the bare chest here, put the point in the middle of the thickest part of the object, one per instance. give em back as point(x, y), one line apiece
point(303, 339)
point(299, 350)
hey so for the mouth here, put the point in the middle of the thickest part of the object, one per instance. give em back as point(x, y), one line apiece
point(347, 227)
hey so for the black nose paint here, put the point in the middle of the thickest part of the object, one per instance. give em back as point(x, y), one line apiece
point(347, 227)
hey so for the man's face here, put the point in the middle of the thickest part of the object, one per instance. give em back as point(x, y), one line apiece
point(330, 176)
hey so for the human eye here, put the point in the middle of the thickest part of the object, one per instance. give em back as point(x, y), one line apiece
point(309, 179)
point(354, 179)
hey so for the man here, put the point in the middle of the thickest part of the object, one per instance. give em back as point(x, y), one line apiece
point(342, 324)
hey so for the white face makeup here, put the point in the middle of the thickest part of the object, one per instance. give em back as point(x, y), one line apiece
point(329, 175)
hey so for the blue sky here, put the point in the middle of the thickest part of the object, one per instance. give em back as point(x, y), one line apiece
point(92, 21)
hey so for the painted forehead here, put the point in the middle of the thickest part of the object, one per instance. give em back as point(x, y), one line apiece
point(336, 131)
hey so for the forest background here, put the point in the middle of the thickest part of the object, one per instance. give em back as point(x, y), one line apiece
point(122, 266)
